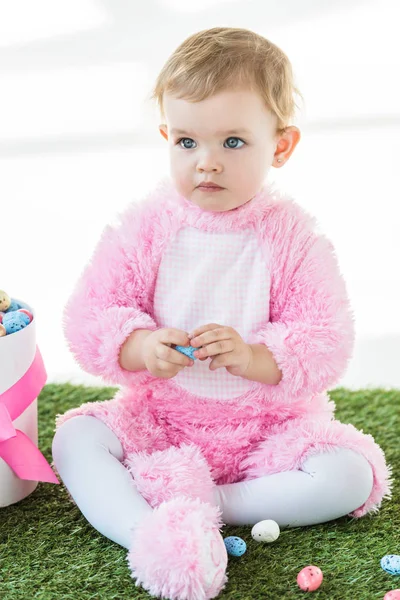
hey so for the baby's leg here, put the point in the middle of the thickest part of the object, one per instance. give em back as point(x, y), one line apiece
point(87, 455)
point(329, 486)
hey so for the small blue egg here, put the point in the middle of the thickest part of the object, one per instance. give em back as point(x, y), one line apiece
point(235, 546)
point(187, 350)
point(391, 564)
point(13, 306)
point(15, 321)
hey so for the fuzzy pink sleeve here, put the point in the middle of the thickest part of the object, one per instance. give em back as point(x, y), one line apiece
point(111, 299)
point(311, 328)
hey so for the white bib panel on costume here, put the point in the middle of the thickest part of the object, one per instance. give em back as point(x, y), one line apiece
point(208, 277)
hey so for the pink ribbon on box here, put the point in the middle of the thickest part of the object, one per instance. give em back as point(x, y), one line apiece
point(16, 448)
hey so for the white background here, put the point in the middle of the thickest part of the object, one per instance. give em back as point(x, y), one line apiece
point(79, 141)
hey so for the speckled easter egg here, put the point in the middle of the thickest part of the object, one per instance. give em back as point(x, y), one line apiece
point(309, 579)
point(5, 301)
point(13, 306)
point(392, 595)
point(265, 531)
point(3, 331)
point(235, 546)
point(391, 564)
point(27, 313)
point(187, 350)
point(19, 315)
point(15, 321)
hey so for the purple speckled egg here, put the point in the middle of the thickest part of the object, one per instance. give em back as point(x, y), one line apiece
point(309, 579)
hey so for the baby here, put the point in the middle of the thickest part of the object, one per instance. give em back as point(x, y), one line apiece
point(216, 259)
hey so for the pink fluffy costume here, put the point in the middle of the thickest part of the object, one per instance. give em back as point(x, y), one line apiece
point(261, 269)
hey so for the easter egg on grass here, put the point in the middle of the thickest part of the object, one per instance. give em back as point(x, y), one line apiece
point(234, 545)
point(391, 564)
point(392, 595)
point(310, 578)
point(265, 531)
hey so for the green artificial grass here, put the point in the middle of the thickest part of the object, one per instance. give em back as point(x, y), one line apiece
point(49, 551)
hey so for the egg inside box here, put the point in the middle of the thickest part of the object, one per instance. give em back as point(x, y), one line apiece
point(17, 352)
point(13, 318)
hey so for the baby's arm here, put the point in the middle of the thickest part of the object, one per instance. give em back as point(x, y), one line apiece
point(311, 329)
point(111, 298)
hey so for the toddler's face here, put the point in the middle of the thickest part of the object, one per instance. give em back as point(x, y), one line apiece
point(207, 143)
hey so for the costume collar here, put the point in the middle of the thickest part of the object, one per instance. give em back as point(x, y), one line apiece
point(245, 216)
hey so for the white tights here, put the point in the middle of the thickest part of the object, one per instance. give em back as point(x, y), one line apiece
point(88, 455)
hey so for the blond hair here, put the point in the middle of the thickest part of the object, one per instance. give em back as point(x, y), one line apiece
point(221, 58)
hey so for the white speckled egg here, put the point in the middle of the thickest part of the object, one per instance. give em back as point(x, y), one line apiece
point(265, 531)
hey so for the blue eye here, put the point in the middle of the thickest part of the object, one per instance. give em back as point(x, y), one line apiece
point(235, 140)
point(183, 140)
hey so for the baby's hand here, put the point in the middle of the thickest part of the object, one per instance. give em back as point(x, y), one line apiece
point(160, 359)
point(225, 344)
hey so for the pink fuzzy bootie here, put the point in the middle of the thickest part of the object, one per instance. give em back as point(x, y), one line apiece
point(178, 553)
point(166, 474)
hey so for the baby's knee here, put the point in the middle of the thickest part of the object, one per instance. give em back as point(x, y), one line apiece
point(83, 433)
point(348, 474)
point(358, 474)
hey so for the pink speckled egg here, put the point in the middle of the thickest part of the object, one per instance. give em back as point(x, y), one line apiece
point(26, 312)
point(309, 579)
point(392, 595)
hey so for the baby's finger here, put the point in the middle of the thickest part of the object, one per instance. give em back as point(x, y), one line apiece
point(169, 355)
point(202, 329)
point(223, 360)
point(214, 335)
point(214, 349)
point(174, 336)
point(166, 368)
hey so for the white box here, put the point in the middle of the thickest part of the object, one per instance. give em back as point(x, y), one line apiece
point(17, 352)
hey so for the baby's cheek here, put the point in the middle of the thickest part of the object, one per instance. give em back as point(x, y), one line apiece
point(182, 184)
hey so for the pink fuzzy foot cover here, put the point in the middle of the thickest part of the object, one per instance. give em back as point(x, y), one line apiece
point(178, 553)
point(165, 474)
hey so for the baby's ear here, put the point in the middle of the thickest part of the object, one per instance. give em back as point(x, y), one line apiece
point(164, 131)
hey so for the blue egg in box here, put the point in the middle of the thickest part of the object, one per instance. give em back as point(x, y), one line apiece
point(15, 321)
point(13, 306)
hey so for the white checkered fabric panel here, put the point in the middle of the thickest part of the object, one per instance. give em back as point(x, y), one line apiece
point(207, 277)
